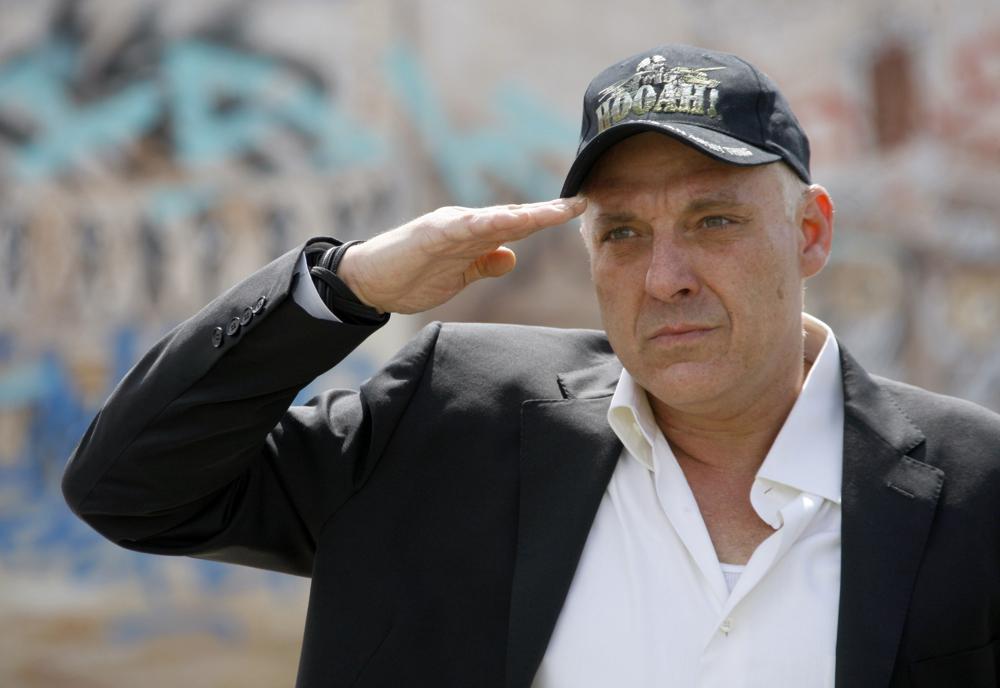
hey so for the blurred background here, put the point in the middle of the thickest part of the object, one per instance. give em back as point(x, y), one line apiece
point(151, 154)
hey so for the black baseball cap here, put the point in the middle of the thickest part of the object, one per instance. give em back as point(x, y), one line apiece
point(715, 102)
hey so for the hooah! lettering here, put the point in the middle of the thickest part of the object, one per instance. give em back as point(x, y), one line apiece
point(656, 88)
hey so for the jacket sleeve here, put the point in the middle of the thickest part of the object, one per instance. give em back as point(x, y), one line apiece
point(196, 452)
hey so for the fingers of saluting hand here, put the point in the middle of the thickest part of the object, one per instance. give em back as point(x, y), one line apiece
point(511, 222)
point(493, 264)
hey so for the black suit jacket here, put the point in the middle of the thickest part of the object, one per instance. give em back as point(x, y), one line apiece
point(441, 510)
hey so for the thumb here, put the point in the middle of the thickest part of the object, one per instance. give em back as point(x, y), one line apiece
point(496, 263)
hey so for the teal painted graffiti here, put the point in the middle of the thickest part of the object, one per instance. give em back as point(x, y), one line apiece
point(507, 149)
point(23, 385)
point(264, 97)
point(65, 134)
point(60, 134)
point(198, 74)
point(169, 204)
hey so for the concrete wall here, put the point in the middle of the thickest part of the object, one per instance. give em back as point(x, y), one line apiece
point(153, 153)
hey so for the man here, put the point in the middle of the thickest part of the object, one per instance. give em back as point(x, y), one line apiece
point(712, 493)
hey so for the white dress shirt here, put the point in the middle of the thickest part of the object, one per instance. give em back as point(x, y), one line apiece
point(650, 605)
point(305, 295)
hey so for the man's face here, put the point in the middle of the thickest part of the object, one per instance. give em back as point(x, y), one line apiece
point(698, 267)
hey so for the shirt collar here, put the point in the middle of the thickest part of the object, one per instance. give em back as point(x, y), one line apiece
point(631, 417)
point(807, 454)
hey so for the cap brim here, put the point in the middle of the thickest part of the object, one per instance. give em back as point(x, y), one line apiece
point(711, 143)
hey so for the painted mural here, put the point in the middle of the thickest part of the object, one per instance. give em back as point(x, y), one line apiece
point(152, 154)
point(140, 174)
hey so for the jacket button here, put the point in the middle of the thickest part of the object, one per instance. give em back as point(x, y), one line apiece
point(217, 337)
point(259, 305)
point(246, 316)
point(233, 327)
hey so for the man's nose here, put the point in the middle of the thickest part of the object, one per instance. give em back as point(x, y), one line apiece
point(670, 275)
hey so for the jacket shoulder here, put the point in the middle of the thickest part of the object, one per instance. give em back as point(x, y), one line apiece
point(959, 434)
point(940, 413)
point(521, 338)
point(515, 357)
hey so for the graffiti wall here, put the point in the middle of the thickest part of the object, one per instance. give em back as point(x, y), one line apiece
point(149, 158)
point(151, 154)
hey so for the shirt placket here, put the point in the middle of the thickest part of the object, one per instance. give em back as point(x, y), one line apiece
point(681, 508)
point(725, 645)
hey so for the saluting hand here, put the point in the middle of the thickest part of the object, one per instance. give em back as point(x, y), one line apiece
point(428, 260)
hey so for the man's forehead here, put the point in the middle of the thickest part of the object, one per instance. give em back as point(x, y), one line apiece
point(713, 185)
point(709, 197)
point(627, 207)
point(654, 160)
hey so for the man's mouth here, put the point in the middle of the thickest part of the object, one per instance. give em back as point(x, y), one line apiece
point(681, 333)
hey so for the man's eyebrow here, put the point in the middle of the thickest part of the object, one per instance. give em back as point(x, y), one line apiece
point(713, 202)
point(621, 216)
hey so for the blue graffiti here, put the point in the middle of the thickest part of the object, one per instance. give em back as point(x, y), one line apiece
point(64, 133)
point(168, 204)
point(222, 103)
point(198, 74)
point(507, 149)
point(263, 96)
point(37, 529)
point(36, 526)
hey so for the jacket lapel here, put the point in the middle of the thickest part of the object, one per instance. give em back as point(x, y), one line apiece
point(568, 453)
point(889, 499)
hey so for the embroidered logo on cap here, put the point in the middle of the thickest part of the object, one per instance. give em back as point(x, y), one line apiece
point(655, 87)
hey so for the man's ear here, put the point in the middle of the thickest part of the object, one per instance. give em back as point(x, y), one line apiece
point(815, 230)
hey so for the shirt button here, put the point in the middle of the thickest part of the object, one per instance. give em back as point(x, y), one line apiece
point(246, 316)
point(233, 327)
point(726, 626)
point(258, 305)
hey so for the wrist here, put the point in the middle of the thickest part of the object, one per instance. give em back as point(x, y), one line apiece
point(350, 273)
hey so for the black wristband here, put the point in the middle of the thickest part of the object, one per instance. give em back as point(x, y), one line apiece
point(323, 258)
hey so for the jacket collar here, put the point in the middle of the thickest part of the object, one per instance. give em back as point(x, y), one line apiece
point(594, 382)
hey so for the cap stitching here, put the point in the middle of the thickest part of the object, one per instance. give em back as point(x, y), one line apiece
point(585, 129)
point(697, 125)
point(760, 93)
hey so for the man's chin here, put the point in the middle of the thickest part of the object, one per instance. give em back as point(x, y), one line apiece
point(686, 383)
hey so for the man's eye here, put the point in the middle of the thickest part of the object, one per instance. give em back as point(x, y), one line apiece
point(714, 221)
point(619, 233)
